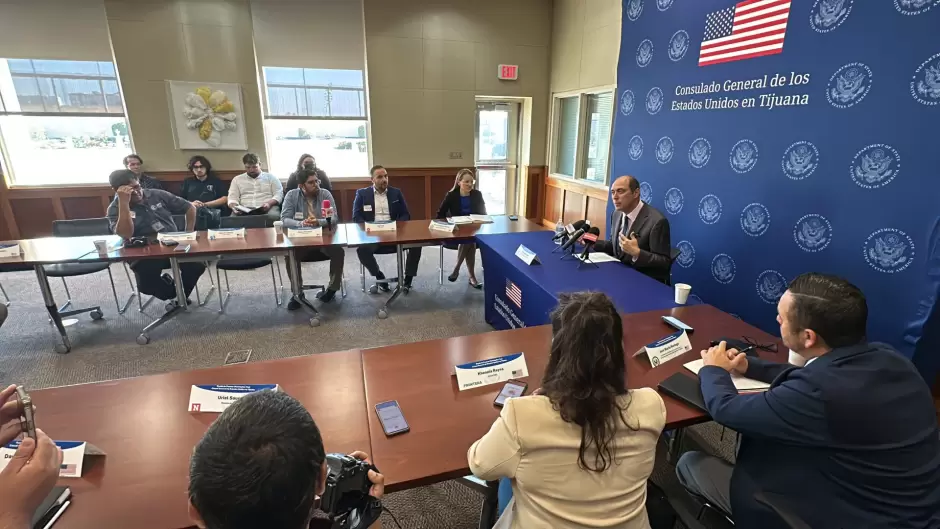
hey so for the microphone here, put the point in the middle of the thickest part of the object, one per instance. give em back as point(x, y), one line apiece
point(585, 226)
point(569, 229)
point(588, 239)
point(328, 214)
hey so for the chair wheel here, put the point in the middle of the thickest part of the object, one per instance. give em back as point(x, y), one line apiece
point(314, 322)
point(143, 339)
point(169, 306)
point(62, 348)
point(383, 314)
point(96, 314)
point(374, 289)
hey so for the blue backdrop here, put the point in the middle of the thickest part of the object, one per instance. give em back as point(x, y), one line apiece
point(822, 155)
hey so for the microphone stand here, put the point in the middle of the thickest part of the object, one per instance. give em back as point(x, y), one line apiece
point(587, 260)
point(564, 239)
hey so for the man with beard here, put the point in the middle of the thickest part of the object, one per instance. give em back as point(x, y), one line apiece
point(255, 192)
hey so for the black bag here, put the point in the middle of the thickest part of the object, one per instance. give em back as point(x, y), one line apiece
point(658, 508)
point(208, 219)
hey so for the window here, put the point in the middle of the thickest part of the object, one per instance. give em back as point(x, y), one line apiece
point(320, 112)
point(581, 138)
point(61, 122)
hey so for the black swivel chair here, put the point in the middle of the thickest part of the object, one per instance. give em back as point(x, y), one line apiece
point(248, 263)
point(80, 228)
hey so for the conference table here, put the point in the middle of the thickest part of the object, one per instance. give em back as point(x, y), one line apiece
point(517, 294)
point(144, 427)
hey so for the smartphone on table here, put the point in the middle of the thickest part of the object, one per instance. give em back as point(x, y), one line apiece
point(391, 417)
point(678, 324)
point(512, 389)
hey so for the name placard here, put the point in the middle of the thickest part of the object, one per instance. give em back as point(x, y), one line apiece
point(215, 398)
point(528, 256)
point(491, 371)
point(73, 456)
point(381, 226)
point(9, 250)
point(305, 232)
point(227, 233)
point(442, 226)
point(665, 349)
point(176, 236)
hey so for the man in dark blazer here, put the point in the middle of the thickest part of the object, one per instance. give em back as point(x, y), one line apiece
point(639, 233)
point(381, 203)
point(849, 440)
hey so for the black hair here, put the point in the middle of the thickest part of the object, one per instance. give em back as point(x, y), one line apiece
point(304, 174)
point(833, 308)
point(586, 373)
point(121, 177)
point(300, 162)
point(201, 159)
point(374, 169)
point(135, 156)
point(250, 159)
point(634, 184)
point(258, 465)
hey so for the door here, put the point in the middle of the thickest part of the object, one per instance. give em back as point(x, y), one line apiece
point(496, 154)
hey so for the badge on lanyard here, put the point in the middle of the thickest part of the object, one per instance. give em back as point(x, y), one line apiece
point(133, 215)
point(157, 226)
point(367, 208)
point(298, 216)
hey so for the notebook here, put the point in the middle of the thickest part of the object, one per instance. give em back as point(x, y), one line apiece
point(741, 383)
point(684, 388)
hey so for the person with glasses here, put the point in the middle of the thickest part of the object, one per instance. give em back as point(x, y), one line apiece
point(206, 192)
point(135, 164)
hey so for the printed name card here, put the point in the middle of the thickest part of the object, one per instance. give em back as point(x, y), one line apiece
point(215, 398)
point(73, 456)
point(305, 231)
point(381, 226)
point(528, 256)
point(491, 371)
point(227, 233)
point(176, 236)
point(9, 250)
point(442, 226)
point(666, 349)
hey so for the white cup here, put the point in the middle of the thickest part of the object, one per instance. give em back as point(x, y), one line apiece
point(102, 246)
point(279, 227)
point(682, 293)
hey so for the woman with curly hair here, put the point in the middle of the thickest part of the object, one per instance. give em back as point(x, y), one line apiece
point(306, 163)
point(579, 450)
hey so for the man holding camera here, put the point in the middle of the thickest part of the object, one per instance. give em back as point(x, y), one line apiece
point(262, 464)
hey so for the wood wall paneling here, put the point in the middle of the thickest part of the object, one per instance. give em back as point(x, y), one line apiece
point(576, 200)
point(554, 202)
point(439, 189)
point(82, 207)
point(597, 214)
point(33, 216)
point(414, 189)
point(535, 192)
point(574, 207)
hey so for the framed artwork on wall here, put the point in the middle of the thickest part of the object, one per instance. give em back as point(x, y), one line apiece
point(206, 116)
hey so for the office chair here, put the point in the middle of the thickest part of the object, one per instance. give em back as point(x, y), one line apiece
point(247, 263)
point(180, 221)
point(79, 228)
point(12, 268)
point(319, 259)
point(374, 289)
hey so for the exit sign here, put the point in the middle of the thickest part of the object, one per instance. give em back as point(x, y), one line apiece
point(508, 72)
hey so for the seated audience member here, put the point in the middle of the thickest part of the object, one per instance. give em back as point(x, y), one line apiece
point(850, 440)
point(639, 233)
point(381, 203)
point(303, 207)
point(206, 192)
point(262, 463)
point(463, 199)
point(256, 190)
point(578, 451)
point(135, 163)
point(308, 162)
point(31, 473)
point(137, 212)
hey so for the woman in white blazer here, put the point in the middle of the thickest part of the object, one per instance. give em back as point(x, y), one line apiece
point(579, 450)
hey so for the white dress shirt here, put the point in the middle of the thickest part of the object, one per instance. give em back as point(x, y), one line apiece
point(253, 192)
point(381, 206)
point(626, 222)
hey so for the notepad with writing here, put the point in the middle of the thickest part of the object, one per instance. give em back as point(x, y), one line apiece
point(741, 383)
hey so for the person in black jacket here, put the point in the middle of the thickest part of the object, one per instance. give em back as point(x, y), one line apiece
point(463, 199)
point(206, 192)
point(308, 162)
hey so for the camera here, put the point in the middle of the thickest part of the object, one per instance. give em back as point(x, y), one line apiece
point(346, 498)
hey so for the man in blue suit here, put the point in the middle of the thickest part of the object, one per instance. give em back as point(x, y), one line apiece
point(849, 440)
point(381, 203)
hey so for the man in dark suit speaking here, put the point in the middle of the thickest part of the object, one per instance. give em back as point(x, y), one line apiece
point(639, 233)
point(382, 203)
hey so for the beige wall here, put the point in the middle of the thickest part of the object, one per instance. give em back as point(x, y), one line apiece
point(72, 30)
point(182, 40)
point(427, 62)
point(585, 44)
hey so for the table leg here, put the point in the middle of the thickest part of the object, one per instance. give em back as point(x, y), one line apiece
point(675, 446)
point(297, 288)
point(49, 301)
point(400, 261)
point(178, 279)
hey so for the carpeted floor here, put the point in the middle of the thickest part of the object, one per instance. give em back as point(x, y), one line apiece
point(107, 349)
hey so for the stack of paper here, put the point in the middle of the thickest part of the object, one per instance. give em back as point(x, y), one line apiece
point(465, 219)
point(440, 225)
point(176, 236)
point(741, 383)
point(481, 218)
point(599, 257)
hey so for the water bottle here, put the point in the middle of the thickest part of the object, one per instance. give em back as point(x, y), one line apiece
point(559, 227)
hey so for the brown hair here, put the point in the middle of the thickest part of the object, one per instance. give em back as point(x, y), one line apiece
point(460, 175)
point(586, 373)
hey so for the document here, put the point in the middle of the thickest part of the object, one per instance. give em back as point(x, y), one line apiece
point(741, 383)
point(442, 226)
point(481, 218)
point(463, 219)
point(600, 257)
point(178, 236)
point(249, 211)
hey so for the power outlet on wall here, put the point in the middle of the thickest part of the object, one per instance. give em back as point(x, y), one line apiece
point(456, 155)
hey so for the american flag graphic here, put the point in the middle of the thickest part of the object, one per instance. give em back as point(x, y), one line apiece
point(68, 469)
point(514, 293)
point(749, 29)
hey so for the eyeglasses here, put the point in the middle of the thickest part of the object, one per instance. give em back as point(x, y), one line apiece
point(199, 167)
point(770, 348)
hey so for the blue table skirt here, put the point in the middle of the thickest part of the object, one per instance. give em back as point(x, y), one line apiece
point(507, 279)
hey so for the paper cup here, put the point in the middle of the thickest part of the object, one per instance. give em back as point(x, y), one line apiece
point(279, 227)
point(682, 293)
point(101, 246)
